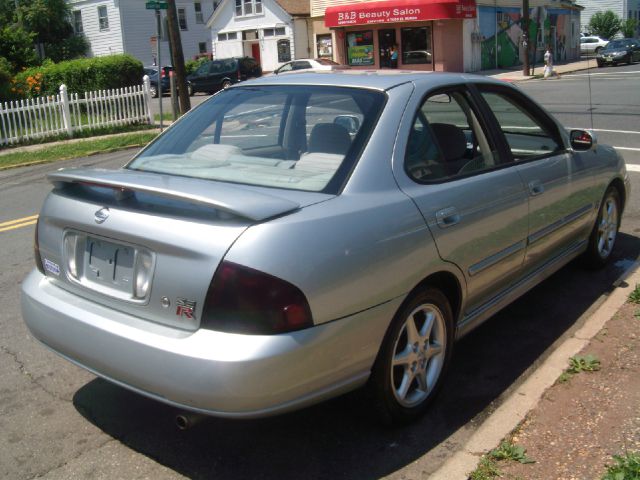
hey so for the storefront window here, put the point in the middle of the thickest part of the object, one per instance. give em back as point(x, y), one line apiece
point(284, 51)
point(416, 45)
point(325, 46)
point(360, 48)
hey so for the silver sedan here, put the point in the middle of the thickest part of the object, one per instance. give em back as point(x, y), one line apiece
point(299, 236)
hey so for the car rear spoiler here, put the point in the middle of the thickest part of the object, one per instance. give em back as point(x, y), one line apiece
point(236, 200)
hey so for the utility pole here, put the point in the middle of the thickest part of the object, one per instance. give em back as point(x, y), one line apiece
point(177, 56)
point(525, 37)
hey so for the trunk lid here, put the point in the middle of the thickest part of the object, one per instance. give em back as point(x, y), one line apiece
point(148, 244)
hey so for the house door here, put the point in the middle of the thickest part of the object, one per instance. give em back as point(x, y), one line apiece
point(386, 40)
point(255, 52)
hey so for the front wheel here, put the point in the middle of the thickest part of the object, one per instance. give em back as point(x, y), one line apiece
point(605, 231)
point(190, 90)
point(413, 358)
point(153, 90)
point(226, 84)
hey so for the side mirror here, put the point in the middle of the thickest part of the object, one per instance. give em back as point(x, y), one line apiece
point(582, 140)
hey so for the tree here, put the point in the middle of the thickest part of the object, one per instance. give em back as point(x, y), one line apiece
point(605, 24)
point(16, 45)
point(628, 27)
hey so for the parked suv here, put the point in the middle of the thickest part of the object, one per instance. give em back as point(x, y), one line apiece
point(219, 74)
point(152, 72)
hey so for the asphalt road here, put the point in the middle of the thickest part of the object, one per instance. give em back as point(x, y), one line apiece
point(60, 422)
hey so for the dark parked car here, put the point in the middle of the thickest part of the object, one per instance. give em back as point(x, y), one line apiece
point(152, 72)
point(220, 74)
point(625, 50)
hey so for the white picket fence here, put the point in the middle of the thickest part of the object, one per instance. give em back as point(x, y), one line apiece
point(64, 114)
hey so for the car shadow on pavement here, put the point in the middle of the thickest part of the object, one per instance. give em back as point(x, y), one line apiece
point(340, 438)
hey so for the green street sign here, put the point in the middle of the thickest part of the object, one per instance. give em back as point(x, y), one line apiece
point(156, 5)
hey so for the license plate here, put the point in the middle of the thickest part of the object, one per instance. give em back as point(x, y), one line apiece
point(109, 264)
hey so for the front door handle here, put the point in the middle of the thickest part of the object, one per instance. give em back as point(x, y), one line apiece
point(536, 188)
point(447, 217)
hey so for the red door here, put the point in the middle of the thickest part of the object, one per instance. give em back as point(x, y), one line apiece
point(255, 51)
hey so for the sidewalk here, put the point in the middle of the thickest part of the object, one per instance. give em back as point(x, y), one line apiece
point(516, 75)
point(570, 426)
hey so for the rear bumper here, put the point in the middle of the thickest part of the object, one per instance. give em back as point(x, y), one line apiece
point(211, 372)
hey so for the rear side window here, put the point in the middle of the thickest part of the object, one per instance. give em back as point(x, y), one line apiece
point(447, 140)
point(294, 137)
point(527, 132)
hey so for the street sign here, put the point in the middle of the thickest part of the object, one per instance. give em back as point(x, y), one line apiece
point(156, 5)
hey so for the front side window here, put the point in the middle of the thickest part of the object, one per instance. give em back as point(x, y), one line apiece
point(293, 137)
point(103, 18)
point(447, 140)
point(182, 18)
point(416, 45)
point(77, 22)
point(527, 132)
point(360, 48)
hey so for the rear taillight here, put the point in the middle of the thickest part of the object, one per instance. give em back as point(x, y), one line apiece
point(36, 250)
point(244, 300)
point(239, 75)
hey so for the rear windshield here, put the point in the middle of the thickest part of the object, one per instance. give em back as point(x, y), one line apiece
point(294, 137)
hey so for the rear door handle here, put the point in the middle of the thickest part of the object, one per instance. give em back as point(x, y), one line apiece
point(447, 217)
point(536, 188)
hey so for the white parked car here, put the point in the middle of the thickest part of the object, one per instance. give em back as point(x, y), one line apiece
point(306, 64)
point(592, 44)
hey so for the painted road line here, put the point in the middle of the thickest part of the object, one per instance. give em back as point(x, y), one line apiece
point(604, 130)
point(631, 149)
point(631, 167)
point(18, 223)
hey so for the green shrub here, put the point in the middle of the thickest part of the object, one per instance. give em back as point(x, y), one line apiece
point(192, 65)
point(81, 75)
point(5, 80)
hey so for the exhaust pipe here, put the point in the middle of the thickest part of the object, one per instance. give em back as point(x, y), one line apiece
point(186, 420)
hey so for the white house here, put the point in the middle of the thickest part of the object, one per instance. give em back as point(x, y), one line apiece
point(625, 9)
point(126, 26)
point(271, 31)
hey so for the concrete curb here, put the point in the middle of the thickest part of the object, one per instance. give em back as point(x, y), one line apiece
point(507, 417)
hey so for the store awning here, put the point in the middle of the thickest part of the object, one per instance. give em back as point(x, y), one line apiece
point(393, 11)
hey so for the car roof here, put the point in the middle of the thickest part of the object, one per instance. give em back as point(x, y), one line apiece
point(372, 79)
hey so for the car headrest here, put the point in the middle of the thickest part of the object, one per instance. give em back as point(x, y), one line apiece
point(329, 138)
point(451, 139)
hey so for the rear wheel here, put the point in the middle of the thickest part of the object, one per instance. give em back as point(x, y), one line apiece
point(605, 231)
point(413, 358)
point(226, 84)
point(153, 90)
point(190, 90)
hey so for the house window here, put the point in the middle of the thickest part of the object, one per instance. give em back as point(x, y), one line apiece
point(248, 7)
point(202, 47)
point(284, 51)
point(416, 45)
point(270, 32)
point(103, 18)
point(227, 36)
point(360, 48)
point(77, 22)
point(182, 18)
point(199, 17)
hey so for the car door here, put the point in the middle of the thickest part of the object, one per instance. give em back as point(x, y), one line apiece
point(472, 198)
point(558, 182)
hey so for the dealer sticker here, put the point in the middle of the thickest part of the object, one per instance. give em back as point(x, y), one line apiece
point(49, 266)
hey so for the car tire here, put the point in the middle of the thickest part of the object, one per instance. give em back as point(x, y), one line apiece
point(600, 64)
point(597, 50)
point(413, 358)
point(605, 230)
point(190, 90)
point(226, 84)
point(153, 90)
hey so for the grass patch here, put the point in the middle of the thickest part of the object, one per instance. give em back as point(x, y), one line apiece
point(510, 451)
point(486, 470)
point(634, 297)
point(578, 364)
point(166, 116)
point(77, 149)
point(627, 467)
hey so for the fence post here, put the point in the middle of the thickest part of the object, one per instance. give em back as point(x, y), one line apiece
point(66, 112)
point(146, 86)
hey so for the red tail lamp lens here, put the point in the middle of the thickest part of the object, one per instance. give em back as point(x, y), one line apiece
point(244, 300)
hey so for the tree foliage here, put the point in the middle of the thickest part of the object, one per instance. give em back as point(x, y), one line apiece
point(628, 27)
point(48, 19)
point(16, 45)
point(605, 24)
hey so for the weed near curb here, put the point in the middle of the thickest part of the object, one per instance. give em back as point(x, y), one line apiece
point(627, 467)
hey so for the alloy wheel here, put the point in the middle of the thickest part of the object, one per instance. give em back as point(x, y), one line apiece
point(607, 226)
